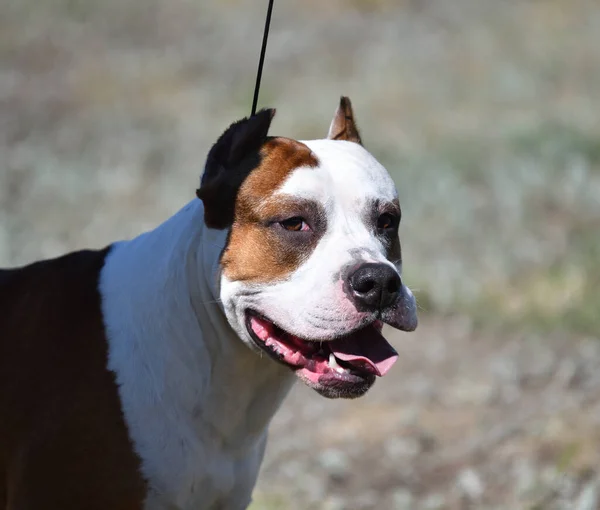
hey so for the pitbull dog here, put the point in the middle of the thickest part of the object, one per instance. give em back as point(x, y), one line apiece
point(145, 375)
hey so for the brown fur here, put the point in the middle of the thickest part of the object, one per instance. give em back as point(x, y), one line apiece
point(258, 251)
point(343, 126)
point(391, 242)
point(231, 159)
point(394, 251)
point(63, 440)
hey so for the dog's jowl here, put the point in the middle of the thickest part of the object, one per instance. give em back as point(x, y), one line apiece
point(144, 375)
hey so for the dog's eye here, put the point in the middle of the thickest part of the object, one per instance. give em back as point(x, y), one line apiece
point(295, 224)
point(386, 222)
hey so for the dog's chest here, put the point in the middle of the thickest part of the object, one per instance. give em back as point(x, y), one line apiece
point(196, 400)
point(207, 480)
point(189, 457)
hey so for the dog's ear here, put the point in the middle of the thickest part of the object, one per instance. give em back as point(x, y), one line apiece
point(229, 162)
point(343, 126)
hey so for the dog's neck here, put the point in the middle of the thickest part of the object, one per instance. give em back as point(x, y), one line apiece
point(246, 388)
point(186, 379)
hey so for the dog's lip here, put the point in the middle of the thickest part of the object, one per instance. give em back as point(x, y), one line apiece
point(352, 357)
point(375, 323)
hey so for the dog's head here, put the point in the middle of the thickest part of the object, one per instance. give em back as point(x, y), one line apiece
point(312, 265)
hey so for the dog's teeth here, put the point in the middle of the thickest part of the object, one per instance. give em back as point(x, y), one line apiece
point(334, 364)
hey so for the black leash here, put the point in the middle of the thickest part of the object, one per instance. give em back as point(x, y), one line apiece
point(262, 57)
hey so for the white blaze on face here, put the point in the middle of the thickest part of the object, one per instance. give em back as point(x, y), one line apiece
point(311, 302)
point(347, 175)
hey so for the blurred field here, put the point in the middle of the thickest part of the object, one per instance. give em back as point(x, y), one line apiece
point(486, 113)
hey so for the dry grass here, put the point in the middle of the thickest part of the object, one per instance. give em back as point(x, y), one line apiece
point(483, 110)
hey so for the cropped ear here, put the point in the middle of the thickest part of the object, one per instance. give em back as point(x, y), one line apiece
point(229, 162)
point(343, 126)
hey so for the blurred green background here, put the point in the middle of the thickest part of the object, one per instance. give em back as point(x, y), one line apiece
point(486, 113)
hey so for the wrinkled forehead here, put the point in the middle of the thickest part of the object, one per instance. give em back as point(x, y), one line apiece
point(346, 174)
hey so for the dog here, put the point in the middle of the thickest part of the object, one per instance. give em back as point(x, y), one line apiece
point(144, 375)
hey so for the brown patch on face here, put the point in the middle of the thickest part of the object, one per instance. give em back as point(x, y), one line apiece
point(259, 249)
point(231, 159)
point(389, 238)
point(394, 251)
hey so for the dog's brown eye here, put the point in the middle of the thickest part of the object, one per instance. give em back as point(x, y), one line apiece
point(295, 224)
point(386, 221)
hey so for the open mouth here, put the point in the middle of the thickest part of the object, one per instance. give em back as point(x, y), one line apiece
point(354, 358)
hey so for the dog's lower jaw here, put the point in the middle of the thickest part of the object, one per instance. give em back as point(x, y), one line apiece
point(334, 369)
point(334, 391)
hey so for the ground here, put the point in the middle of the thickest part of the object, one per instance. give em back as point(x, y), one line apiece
point(464, 420)
point(484, 111)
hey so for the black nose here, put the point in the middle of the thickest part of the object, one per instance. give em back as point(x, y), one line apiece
point(374, 286)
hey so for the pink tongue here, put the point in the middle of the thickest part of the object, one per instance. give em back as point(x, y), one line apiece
point(366, 350)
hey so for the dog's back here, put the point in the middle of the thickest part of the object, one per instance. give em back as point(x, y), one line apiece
point(54, 387)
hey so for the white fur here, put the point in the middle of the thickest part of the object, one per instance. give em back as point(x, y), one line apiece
point(347, 176)
point(310, 303)
point(196, 400)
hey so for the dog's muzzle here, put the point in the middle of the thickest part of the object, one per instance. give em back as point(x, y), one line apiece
point(377, 288)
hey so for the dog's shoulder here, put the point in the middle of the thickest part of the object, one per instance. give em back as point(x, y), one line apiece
point(33, 291)
point(61, 415)
point(47, 305)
